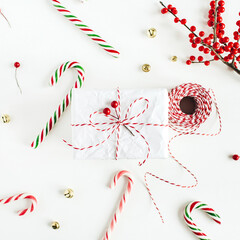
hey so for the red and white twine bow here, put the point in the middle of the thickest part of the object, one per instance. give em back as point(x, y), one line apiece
point(113, 125)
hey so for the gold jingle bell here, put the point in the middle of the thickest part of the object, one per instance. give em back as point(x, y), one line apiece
point(55, 225)
point(146, 67)
point(69, 193)
point(152, 32)
point(174, 58)
point(6, 118)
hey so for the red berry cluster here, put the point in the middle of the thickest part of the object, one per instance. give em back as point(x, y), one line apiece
point(215, 44)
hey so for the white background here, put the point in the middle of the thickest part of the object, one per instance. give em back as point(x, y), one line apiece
point(41, 39)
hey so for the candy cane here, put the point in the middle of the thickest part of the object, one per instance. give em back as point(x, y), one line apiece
point(87, 30)
point(188, 219)
point(122, 201)
point(66, 101)
point(21, 196)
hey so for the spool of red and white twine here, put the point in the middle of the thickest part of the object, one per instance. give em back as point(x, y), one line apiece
point(185, 124)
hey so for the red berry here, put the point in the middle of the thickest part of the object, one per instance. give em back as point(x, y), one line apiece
point(191, 35)
point(238, 58)
point(212, 4)
point(206, 50)
point(176, 19)
point(210, 23)
point(235, 33)
point(194, 45)
point(226, 39)
point(216, 45)
point(193, 28)
point(221, 9)
point(169, 6)
point(231, 56)
point(235, 157)
point(188, 62)
point(207, 41)
point(226, 59)
point(198, 40)
point(236, 45)
point(114, 104)
point(174, 11)
point(106, 111)
point(221, 3)
point(211, 11)
point(219, 19)
point(221, 25)
point(200, 58)
point(221, 50)
point(164, 10)
point(211, 36)
point(227, 48)
point(201, 34)
point(238, 23)
point(237, 37)
point(216, 58)
point(192, 58)
point(212, 53)
point(16, 64)
point(230, 44)
point(201, 48)
point(234, 51)
point(207, 63)
point(183, 21)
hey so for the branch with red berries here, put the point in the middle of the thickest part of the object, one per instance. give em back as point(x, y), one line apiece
point(215, 44)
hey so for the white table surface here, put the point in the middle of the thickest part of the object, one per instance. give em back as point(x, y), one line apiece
point(41, 39)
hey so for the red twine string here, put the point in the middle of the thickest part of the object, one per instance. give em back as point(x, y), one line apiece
point(114, 125)
point(186, 124)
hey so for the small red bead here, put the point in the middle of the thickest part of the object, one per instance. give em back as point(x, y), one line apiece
point(164, 10)
point(192, 58)
point(200, 58)
point(216, 45)
point(235, 157)
point(207, 63)
point(183, 21)
point(188, 62)
point(114, 104)
point(193, 28)
point(176, 19)
point(16, 64)
point(106, 111)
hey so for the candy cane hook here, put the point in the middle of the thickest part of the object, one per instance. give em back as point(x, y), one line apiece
point(122, 201)
point(191, 224)
point(66, 101)
point(21, 196)
point(83, 27)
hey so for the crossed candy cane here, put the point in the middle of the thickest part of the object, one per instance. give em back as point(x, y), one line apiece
point(122, 201)
point(21, 196)
point(191, 224)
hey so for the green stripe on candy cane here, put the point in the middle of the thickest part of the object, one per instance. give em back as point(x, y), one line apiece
point(85, 28)
point(66, 101)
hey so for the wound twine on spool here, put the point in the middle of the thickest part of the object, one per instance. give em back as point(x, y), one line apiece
point(186, 124)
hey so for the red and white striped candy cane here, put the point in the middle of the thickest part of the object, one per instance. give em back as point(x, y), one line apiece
point(192, 225)
point(86, 29)
point(21, 196)
point(66, 101)
point(122, 201)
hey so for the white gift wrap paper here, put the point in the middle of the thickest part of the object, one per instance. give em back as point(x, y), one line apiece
point(86, 102)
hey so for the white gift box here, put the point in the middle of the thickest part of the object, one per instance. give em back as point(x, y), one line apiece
point(86, 102)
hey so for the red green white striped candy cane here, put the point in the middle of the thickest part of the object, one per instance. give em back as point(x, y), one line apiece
point(192, 225)
point(123, 200)
point(66, 101)
point(21, 196)
point(86, 29)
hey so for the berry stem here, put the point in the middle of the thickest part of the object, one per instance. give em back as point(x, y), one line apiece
point(5, 18)
point(204, 61)
point(231, 65)
point(215, 23)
